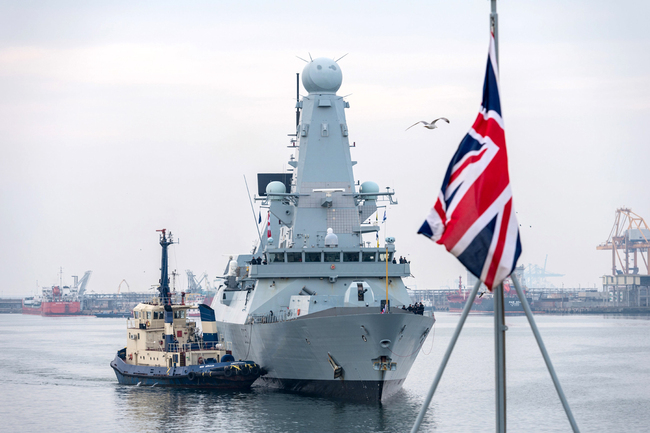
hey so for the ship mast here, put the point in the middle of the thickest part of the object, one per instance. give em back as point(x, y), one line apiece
point(163, 289)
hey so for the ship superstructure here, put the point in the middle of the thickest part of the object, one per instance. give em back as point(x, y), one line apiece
point(309, 304)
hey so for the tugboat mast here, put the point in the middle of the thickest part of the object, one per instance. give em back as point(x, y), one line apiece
point(163, 289)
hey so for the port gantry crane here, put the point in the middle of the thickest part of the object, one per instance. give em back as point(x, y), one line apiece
point(631, 234)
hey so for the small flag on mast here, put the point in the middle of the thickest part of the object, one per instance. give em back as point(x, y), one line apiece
point(474, 217)
point(268, 224)
point(259, 220)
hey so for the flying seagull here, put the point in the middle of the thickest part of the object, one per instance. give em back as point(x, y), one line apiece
point(428, 125)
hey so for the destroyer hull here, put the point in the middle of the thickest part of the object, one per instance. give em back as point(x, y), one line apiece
point(296, 354)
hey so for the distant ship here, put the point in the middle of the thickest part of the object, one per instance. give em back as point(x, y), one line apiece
point(58, 300)
point(484, 302)
point(310, 303)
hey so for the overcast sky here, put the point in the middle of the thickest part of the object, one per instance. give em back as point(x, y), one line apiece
point(119, 118)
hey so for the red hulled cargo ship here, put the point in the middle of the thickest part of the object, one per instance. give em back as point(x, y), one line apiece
point(58, 300)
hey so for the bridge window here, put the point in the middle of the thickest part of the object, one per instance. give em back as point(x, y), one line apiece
point(369, 257)
point(276, 257)
point(312, 257)
point(294, 257)
point(351, 257)
point(136, 314)
point(332, 257)
point(148, 315)
point(382, 257)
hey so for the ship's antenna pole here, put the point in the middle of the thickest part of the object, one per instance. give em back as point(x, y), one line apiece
point(386, 257)
point(253, 210)
point(297, 101)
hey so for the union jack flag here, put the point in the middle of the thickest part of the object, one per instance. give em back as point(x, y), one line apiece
point(474, 217)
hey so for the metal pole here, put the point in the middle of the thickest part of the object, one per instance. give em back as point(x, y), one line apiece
point(500, 329)
point(499, 314)
point(386, 257)
point(542, 348)
point(445, 359)
point(494, 27)
point(253, 209)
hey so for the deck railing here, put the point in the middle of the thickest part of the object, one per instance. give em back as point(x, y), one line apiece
point(197, 346)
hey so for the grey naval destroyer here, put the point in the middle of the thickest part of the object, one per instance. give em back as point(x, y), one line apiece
point(309, 303)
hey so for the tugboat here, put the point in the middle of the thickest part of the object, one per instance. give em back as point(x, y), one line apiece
point(164, 348)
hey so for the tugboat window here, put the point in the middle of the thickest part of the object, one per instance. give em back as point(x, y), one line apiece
point(368, 257)
point(148, 315)
point(351, 257)
point(332, 257)
point(312, 257)
point(294, 257)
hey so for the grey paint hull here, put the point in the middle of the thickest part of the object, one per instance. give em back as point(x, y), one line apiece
point(295, 353)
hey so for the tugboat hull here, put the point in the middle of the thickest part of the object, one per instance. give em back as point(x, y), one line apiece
point(209, 376)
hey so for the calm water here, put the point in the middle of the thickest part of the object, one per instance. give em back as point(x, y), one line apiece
point(56, 377)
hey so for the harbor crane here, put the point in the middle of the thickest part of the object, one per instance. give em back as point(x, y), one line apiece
point(194, 286)
point(120, 286)
point(535, 276)
point(630, 234)
point(80, 285)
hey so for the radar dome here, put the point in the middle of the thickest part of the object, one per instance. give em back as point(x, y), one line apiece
point(331, 240)
point(322, 75)
point(275, 187)
point(232, 268)
point(368, 188)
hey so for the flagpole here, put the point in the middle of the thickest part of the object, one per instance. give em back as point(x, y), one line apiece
point(494, 27)
point(542, 348)
point(445, 359)
point(500, 327)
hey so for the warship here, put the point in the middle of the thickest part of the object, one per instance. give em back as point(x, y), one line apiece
point(317, 307)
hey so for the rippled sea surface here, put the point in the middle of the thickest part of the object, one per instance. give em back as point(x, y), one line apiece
point(55, 376)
